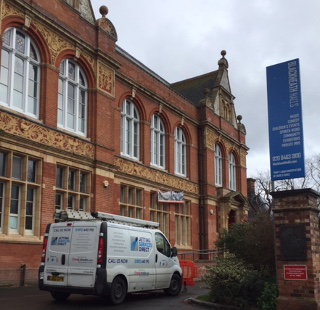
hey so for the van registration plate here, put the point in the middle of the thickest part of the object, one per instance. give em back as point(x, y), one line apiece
point(56, 278)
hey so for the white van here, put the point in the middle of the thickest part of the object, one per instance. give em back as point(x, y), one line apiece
point(108, 255)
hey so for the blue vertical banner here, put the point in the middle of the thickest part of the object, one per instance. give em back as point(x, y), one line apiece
point(285, 121)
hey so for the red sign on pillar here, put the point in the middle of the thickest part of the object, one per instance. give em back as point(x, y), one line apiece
point(295, 272)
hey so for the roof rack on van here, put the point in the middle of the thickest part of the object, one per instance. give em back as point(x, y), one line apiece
point(124, 219)
point(73, 215)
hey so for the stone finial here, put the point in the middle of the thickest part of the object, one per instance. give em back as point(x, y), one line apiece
point(223, 63)
point(206, 92)
point(103, 10)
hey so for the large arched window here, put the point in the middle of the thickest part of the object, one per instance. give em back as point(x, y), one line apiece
point(72, 98)
point(157, 143)
point(129, 129)
point(217, 165)
point(20, 73)
point(179, 152)
point(232, 172)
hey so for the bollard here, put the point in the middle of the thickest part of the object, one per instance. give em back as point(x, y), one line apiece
point(22, 274)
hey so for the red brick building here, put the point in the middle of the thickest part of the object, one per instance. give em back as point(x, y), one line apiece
point(84, 125)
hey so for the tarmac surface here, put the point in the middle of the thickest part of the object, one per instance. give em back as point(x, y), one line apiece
point(31, 298)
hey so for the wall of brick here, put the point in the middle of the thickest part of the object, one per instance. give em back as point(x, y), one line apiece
point(13, 257)
point(52, 28)
point(298, 209)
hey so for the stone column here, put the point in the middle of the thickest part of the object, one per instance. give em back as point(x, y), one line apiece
point(297, 241)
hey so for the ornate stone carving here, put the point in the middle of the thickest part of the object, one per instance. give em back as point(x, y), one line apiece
point(85, 11)
point(39, 134)
point(91, 61)
point(105, 79)
point(107, 26)
point(159, 177)
point(209, 139)
point(10, 10)
point(243, 156)
point(55, 43)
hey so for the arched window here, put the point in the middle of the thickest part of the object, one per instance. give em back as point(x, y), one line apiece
point(157, 143)
point(20, 73)
point(129, 129)
point(232, 172)
point(217, 165)
point(72, 98)
point(179, 152)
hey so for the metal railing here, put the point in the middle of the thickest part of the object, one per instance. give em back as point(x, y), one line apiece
point(198, 255)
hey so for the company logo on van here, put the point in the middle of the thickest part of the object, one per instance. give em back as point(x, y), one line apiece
point(140, 244)
point(60, 241)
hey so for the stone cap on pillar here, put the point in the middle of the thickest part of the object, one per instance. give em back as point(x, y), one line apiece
point(296, 199)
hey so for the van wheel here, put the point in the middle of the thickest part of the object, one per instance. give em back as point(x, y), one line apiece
point(60, 296)
point(175, 286)
point(118, 291)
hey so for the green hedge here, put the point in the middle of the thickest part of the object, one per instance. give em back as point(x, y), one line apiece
point(231, 282)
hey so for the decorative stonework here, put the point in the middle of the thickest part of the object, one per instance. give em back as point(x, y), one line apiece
point(105, 79)
point(146, 173)
point(8, 10)
point(243, 155)
point(39, 134)
point(55, 43)
point(209, 139)
point(91, 61)
point(85, 11)
point(107, 26)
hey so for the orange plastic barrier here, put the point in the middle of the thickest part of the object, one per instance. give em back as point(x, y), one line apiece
point(189, 272)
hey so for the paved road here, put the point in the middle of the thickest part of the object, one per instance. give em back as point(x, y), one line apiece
point(31, 298)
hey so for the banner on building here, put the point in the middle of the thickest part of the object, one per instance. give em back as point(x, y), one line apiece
point(170, 197)
point(285, 121)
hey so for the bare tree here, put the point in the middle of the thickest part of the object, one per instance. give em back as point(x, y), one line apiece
point(264, 186)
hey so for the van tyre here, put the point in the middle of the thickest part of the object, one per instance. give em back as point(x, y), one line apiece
point(118, 291)
point(60, 296)
point(175, 286)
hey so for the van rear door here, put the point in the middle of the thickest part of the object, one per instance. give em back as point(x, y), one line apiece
point(72, 254)
point(57, 255)
point(83, 254)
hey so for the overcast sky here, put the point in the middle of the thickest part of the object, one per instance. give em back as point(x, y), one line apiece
point(180, 39)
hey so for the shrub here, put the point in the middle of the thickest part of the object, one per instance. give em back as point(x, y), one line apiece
point(231, 282)
point(267, 300)
point(252, 242)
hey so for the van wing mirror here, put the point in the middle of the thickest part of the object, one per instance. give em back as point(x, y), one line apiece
point(174, 252)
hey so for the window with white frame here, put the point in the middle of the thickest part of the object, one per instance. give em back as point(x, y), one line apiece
point(20, 182)
point(129, 143)
point(72, 98)
point(179, 152)
point(73, 187)
point(232, 172)
point(160, 213)
point(131, 201)
point(20, 73)
point(157, 143)
point(217, 165)
point(183, 224)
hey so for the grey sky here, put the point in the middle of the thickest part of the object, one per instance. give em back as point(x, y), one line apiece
point(179, 39)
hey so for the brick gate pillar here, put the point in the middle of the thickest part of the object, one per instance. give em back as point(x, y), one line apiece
point(297, 244)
